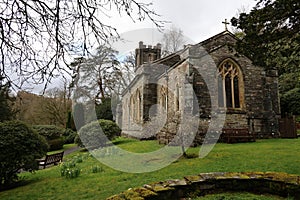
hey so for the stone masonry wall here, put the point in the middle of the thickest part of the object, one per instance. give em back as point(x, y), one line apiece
point(191, 88)
point(280, 184)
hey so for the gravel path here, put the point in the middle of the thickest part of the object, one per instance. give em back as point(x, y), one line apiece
point(71, 150)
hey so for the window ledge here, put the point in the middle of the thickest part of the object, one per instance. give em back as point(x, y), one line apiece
point(236, 111)
point(232, 110)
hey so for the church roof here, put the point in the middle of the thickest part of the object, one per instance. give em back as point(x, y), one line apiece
point(218, 36)
point(176, 58)
point(210, 44)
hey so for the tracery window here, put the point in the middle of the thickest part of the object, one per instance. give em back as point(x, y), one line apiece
point(164, 98)
point(230, 82)
point(138, 106)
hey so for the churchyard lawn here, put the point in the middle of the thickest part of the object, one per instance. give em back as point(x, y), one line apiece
point(97, 181)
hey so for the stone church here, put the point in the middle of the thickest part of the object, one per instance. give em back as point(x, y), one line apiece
point(202, 81)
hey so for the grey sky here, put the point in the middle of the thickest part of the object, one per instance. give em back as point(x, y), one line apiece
point(199, 19)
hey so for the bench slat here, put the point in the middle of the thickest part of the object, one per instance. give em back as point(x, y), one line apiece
point(237, 134)
point(51, 159)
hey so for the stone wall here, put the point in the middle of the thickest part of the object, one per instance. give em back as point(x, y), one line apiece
point(280, 184)
point(191, 86)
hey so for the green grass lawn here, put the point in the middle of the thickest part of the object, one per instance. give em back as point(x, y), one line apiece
point(277, 155)
point(239, 196)
point(66, 147)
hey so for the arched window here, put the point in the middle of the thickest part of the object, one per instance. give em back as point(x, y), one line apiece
point(230, 85)
point(132, 105)
point(138, 106)
point(176, 99)
point(164, 98)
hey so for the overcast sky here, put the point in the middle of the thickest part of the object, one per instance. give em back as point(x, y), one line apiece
point(199, 20)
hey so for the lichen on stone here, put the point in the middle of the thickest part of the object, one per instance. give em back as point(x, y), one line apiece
point(282, 184)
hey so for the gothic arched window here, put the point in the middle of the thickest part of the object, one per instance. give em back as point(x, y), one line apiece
point(164, 98)
point(230, 85)
point(138, 106)
point(176, 99)
point(132, 105)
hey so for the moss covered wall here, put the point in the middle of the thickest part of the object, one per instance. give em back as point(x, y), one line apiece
point(280, 184)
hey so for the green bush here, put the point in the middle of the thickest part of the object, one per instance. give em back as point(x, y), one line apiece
point(53, 135)
point(90, 137)
point(20, 146)
point(56, 144)
point(50, 132)
point(69, 136)
point(110, 128)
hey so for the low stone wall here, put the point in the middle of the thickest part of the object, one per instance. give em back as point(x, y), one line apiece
point(280, 184)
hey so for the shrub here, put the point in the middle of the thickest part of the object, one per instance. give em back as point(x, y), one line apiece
point(69, 136)
point(110, 128)
point(53, 135)
point(90, 135)
point(56, 144)
point(50, 132)
point(20, 146)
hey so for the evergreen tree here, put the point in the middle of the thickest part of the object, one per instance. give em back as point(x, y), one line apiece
point(103, 110)
point(272, 34)
point(272, 41)
point(78, 115)
point(6, 112)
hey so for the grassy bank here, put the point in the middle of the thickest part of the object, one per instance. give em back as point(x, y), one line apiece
point(278, 155)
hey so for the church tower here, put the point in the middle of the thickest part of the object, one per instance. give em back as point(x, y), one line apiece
point(147, 54)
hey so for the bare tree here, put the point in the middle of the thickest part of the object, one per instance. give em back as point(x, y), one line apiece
point(127, 69)
point(38, 36)
point(173, 40)
point(51, 108)
point(56, 105)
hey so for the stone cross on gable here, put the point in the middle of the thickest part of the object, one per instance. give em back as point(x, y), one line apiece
point(226, 23)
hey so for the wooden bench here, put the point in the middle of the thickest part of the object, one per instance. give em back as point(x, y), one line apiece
point(231, 135)
point(51, 159)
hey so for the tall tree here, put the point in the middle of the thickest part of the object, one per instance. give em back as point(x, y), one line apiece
point(96, 77)
point(127, 67)
point(55, 106)
point(173, 40)
point(6, 111)
point(37, 36)
point(272, 33)
point(272, 41)
point(79, 115)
